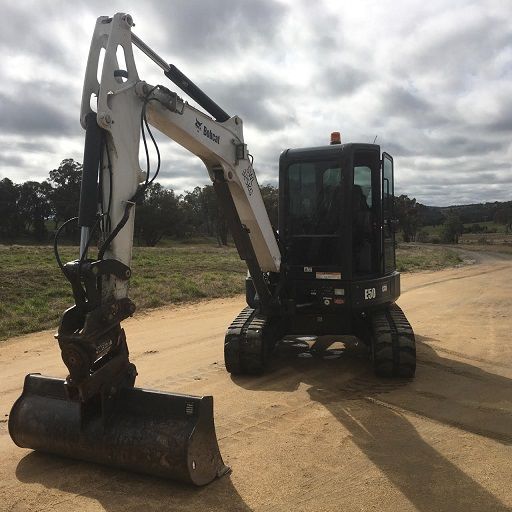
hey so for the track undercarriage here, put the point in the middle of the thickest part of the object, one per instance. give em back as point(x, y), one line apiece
point(252, 337)
point(249, 342)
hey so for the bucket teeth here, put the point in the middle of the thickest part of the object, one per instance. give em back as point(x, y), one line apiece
point(168, 435)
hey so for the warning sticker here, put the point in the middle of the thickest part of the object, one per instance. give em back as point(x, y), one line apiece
point(328, 275)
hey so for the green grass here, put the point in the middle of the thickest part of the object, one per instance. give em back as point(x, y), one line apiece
point(491, 226)
point(432, 230)
point(412, 258)
point(34, 293)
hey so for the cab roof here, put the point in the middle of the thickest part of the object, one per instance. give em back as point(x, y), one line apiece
point(331, 149)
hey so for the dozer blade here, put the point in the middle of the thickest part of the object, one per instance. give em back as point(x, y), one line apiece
point(168, 435)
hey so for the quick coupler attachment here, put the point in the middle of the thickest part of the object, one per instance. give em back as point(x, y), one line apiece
point(168, 435)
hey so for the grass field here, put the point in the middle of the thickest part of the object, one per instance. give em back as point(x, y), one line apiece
point(34, 293)
point(501, 248)
point(486, 238)
point(490, 225)
point(412, 258)
point(496, 234)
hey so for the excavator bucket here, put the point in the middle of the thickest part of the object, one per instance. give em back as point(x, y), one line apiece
point(168, 435)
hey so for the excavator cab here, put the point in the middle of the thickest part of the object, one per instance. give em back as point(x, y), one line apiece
point(338, 273)
point(330, 207)
point(337, 227)
point(335, 224)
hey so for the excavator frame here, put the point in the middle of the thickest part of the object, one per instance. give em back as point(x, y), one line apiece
point(96, 413)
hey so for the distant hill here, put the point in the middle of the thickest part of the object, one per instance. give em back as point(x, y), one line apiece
point(468, 213)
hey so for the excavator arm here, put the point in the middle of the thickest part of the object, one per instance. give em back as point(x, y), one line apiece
point(96, 413)
point(115, 111)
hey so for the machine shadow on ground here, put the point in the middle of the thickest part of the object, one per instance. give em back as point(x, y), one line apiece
point(117, 490)
point(373, 411)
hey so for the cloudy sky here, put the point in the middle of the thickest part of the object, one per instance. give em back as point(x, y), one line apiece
point(431, 79)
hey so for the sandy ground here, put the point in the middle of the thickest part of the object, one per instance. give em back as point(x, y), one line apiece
point(316, 433)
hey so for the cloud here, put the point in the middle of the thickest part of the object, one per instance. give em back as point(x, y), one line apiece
point(210, 31)
point(341, 79)
point(257, 98)
point(433, 80)
point(11, 160)
point(26, 32)
point(31, 117)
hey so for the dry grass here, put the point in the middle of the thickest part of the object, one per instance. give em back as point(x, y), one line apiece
point(488, 247)
point(412, 258)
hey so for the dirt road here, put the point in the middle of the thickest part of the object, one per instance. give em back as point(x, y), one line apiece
point(317, 433)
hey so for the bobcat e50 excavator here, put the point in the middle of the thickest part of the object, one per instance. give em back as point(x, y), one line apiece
point(330, 270)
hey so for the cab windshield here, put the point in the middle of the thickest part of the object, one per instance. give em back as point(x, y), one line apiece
point(315, 197)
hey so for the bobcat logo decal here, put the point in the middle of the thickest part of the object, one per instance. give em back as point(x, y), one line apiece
point(249, 179)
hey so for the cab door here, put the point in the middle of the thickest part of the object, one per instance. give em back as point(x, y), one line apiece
point(388, 231)
point(366, 214)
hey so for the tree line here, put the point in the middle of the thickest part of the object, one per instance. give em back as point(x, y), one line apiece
point(34, 210)
point(413, 217)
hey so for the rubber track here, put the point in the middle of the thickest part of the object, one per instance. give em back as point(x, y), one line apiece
point(394, 351)
point(247, 343)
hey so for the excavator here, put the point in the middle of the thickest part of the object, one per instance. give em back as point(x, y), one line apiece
point(329, 268)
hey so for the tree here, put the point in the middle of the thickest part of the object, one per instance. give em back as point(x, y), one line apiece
point(193, 205)
point(406, 210)
point(34, 206)
point(10, 223)
point(208, 217)
point(503, 215)
point(213, 211)
point(270, 195)
point(452, 228)
point(158, 215)
point(65, 197)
